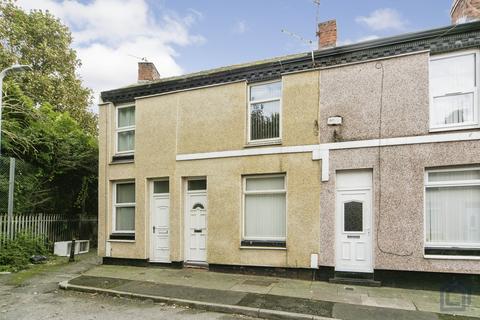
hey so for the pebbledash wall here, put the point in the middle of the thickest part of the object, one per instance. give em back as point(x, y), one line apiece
point(172, 128)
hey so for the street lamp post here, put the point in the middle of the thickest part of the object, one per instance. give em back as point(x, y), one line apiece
point(14, 68)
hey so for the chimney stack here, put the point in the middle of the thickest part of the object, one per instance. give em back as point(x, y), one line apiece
point(465, 11)
point(147, 72)
point(327, 34)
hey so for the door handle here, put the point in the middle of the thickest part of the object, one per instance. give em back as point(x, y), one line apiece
point(153, 229)
point(197, 230)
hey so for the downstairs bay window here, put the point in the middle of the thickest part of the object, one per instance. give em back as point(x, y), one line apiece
point(452, 211)
point(264, 211)
point(123, 221)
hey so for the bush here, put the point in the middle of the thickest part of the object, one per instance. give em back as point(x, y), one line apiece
point(15, 254)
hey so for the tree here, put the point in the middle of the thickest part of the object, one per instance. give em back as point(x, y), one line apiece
point(39, 39)
point(57, 171)
point(46, 123)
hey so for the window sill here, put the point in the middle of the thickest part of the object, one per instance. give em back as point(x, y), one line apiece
point(121, 241)
point(123, 158)
point(263, 143)
point(456, 128)
point(452, 253)
point(122, 236)
point(262, 244)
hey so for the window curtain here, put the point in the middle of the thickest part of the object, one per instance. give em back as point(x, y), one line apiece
point(453, 214)
point(126, 140)
point(126, 117)
point(265, 216)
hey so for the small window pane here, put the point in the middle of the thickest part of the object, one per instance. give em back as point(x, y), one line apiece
point(266, 91)
point(197, 185)
point(126, 193)
point(272, 183)
point(454, 175)
point(453, 109)
point(353, 216)
point(126, 117)
point(265, 120)
point(126, 141)
point(454, 74)
point(125, 219)
point(161, 186)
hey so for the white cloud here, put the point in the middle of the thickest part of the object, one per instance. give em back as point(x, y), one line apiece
point(384, 19)
point(240, 27)
point(107, 33)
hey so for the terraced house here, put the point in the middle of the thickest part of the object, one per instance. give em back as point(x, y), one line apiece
point(360, 159)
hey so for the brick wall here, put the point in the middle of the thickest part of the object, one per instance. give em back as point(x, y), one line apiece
point(465, 11)
point(327, 34)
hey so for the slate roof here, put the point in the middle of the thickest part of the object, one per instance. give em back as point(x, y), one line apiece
point(439, 40)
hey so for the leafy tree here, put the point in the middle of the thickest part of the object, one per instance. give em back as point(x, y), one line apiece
point(39, 39)
point(46, 123)
point(58, 158)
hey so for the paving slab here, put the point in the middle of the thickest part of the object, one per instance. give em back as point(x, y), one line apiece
point(393, 303)
point(355, 312)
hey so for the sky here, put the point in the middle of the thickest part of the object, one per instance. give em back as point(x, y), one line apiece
point(183, 36)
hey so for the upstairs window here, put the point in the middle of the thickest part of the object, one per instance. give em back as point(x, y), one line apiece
point(264, 112)
point(125, 129)
point(453, 91)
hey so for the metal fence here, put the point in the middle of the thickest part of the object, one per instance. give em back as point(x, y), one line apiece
point(22, 193)
point(54, 227)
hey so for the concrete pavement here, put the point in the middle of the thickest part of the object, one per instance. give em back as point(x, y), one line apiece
point(260, 295)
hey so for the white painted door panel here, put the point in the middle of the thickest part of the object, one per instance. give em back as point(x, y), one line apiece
point(160, 245)
point(197, 226)
point(353, 223)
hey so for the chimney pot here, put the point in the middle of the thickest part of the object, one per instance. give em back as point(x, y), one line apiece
point(327, 34)
point(147, 72)
point(465, 11)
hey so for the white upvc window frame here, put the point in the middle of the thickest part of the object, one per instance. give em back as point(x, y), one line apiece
point(467, 125)
point(123, 129)
point(453, 183)
point(277, 140)
point(122, 205)
point(277, 191)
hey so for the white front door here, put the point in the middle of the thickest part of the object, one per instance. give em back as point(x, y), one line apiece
point(160, 231)
point(354, 222)
point(196, 223)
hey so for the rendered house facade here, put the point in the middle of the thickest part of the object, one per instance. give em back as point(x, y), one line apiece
point(359, 159)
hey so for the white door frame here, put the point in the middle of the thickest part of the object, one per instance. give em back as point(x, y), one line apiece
point(152, 212)
point(368, 219)
point(186, 217)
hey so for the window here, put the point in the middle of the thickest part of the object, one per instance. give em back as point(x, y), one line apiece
point(453, 208)
point(264, 112)
point(197, 185)
point(265, 208)
point(161, 186)
point(125, 129)
point(453, 91)
point(353, 216)
point(124, 208)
